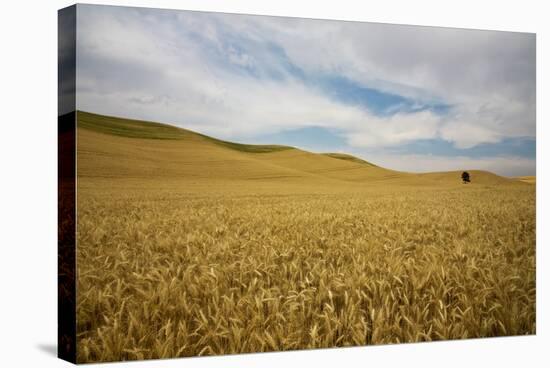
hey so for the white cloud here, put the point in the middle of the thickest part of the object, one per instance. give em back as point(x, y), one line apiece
point(393, 130)
point(488, 77)
point(166, 76)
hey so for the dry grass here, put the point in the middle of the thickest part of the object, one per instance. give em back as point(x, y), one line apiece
point(528, 179)
point(182, 265)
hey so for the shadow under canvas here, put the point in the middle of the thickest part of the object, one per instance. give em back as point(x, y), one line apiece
point(50, 349)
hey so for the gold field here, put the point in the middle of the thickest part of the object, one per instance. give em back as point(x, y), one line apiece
point(191, 246)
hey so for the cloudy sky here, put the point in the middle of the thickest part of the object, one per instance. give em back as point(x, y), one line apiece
point(408, 98)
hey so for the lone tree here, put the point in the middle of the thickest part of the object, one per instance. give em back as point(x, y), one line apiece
point(465, 177)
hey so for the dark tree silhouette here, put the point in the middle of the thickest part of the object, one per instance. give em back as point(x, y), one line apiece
point(465, 177)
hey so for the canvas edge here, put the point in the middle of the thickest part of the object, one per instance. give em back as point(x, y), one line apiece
point(66, 187)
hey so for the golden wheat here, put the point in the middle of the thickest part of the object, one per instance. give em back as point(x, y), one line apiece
point(167, 273)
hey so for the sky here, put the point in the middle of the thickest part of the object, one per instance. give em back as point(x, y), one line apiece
point(404, 97)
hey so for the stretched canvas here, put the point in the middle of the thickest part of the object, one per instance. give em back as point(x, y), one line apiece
point(240, 184)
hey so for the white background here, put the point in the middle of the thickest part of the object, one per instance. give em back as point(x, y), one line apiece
point(28, 207)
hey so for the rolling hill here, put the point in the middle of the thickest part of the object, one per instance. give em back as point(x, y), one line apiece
point(112, 147)
point(528, 179)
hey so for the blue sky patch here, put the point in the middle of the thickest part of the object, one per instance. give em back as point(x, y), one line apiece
point(520, 147)
point(311, 138)
point(379, 102)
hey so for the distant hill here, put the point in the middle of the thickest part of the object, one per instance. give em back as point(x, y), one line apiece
point(345, 156)
point(150, 130)
point(112, 147)
point(528, 179)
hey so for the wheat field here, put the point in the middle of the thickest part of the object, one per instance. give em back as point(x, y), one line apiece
point(190, 246)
